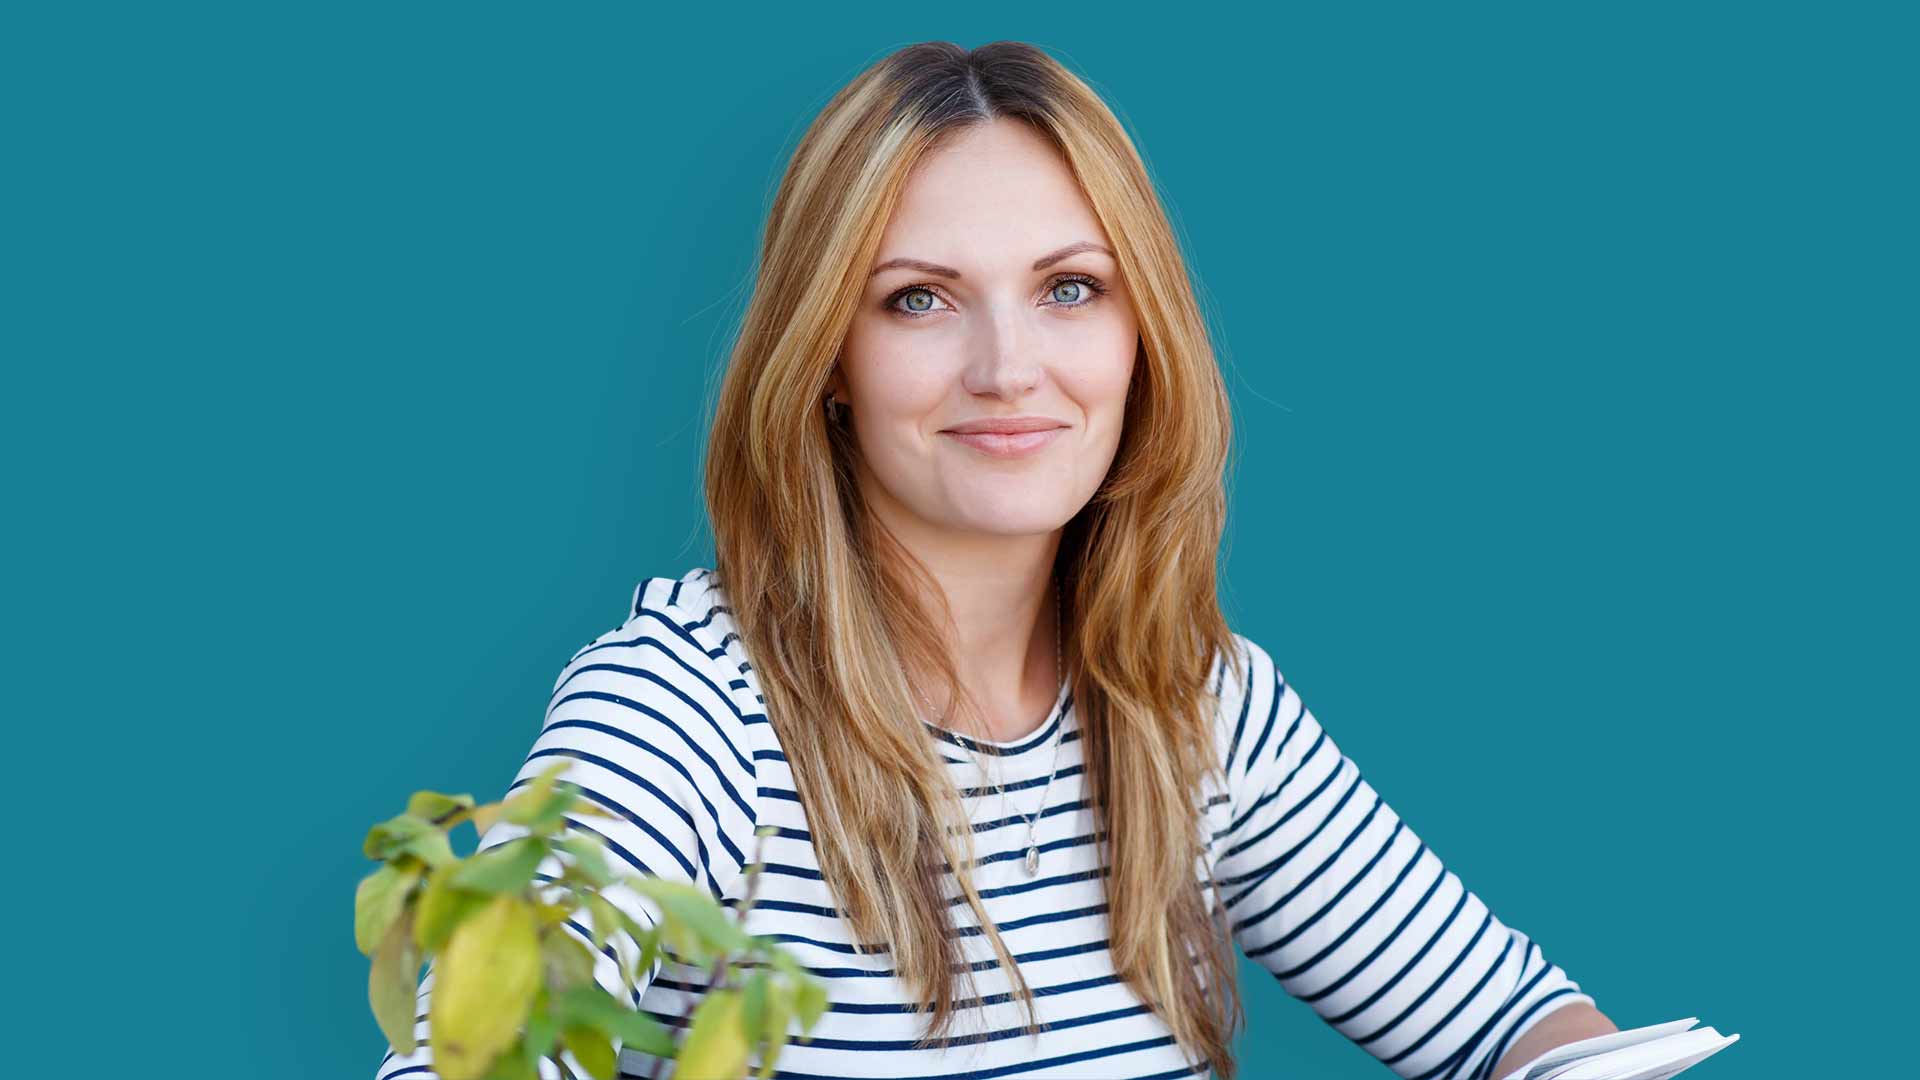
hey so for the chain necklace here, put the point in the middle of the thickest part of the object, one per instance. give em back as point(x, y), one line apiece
point(1032, 863)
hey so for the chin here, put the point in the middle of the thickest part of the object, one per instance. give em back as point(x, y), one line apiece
point(1020, 516)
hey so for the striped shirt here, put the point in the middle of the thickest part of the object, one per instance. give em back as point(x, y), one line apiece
point(663, 723)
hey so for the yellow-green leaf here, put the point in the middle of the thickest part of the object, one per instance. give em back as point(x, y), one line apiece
point(393, 984)
point(695, 911)
point(484, 817)
point(540, 1035)
point(408, 835)
point(605, 921)
point(442, 906)
point(540, 815)
point(569, 962)
point(539, 803)
point(753, 1002)
point(716, 1047)
point(378, 901)
point(485, 984)
point(592, 1006)
point(502, 868)
point(589, 859)
point(592, 1049)
point(810, 1000)
point(446, 811)
point(773, 1028)
point(513, 1065)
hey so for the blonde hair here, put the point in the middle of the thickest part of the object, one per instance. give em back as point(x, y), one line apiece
point(825, 598)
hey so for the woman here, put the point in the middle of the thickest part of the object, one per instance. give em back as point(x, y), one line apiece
point(965, 478)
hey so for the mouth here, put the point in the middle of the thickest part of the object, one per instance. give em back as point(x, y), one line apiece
point(1006, 444)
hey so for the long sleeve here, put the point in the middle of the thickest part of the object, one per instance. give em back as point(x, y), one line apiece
point(1331, 892)
point(645, 720)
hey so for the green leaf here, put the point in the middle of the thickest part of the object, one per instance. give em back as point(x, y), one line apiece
point(540, 805)
point(773, 1026)
point(442, 906)
point(716, 1046)
point(649, 952)
point(569, 963)
point(444, 811)
point(542, 815)
point(379, 900)
point(409, 835)
point(486, 982)
point(393, 984)
point(589, 859)
point(538, 1042)
point(602, 921)
point(503, 868)
point(591, 1006)
point(484, 817)
point(512, 1064)
point(810, 1000)
point(753, 1001)
point(696, 911)
point(592, 1050)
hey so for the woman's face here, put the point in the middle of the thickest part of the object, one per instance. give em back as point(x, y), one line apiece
point(995, 298)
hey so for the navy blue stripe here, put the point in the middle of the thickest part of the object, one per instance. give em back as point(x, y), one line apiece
point(1254, 920)
point(1261, 873)
point(1279, 755)
point(667, 845)
point(1412, 961)
point(670, 759)
point(746, 764)
point(1385, 943)
point(1039, 736)
point(1246, 704)
point(1459, 1056)
point(1466, 999)
point(1438, 982)
point(1485, 1071)
point(1366, 917)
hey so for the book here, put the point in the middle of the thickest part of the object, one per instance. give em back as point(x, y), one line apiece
point(1654, 1052)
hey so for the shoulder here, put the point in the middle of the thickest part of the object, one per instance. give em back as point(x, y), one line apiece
point(674, 654)
point(651, 714)
point(682, 618)
point(1257, 707)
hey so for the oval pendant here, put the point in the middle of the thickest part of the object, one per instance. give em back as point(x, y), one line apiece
point(1033, 861)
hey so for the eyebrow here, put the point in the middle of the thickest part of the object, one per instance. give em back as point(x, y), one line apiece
point(1040, 263)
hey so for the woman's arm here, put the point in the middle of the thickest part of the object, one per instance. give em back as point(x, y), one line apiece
point(1336, 896)
point(1569, 1023)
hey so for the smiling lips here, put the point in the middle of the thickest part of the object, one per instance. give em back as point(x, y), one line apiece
point(1007, 437)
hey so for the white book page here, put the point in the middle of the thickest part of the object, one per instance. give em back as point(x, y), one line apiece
point(1648, 1061)
point(1540, 1067)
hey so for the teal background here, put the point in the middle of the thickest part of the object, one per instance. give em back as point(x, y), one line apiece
point(357, 362)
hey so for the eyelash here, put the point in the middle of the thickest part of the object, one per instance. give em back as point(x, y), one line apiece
point(1091, 283)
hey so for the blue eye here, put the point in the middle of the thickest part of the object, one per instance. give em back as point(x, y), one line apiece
point(916, 305)
point(1075, 291)
point(1065, 291)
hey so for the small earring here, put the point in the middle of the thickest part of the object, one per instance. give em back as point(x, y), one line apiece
point(833, 408)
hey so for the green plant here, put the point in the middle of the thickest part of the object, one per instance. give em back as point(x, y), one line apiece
point(513, 986)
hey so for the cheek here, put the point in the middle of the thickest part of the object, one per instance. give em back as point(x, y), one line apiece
point(901, 374)
point(1099, 364)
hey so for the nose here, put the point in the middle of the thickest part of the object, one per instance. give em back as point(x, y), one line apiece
point(1001, 366)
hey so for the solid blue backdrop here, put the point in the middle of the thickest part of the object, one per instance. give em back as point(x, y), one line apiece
point(358, 364)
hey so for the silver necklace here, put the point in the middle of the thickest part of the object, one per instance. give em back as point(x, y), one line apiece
point(1032, 863)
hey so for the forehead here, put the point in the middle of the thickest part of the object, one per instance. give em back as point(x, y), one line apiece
point(994, 189)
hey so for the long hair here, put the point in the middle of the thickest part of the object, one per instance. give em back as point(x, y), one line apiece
point(827, 601)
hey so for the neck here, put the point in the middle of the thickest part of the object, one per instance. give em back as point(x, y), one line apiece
point(1005, 649)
